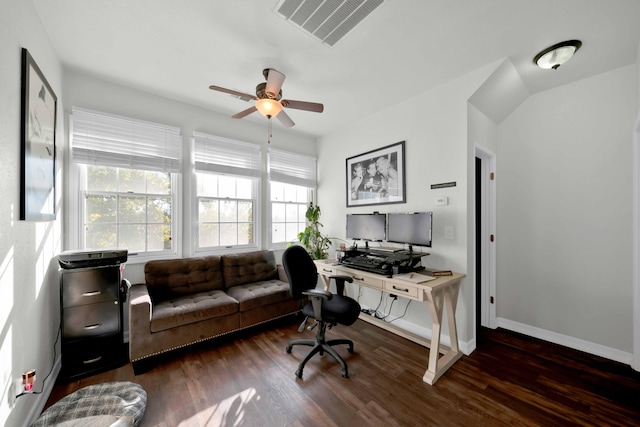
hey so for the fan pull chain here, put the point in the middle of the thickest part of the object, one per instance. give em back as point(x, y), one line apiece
point(269, 133)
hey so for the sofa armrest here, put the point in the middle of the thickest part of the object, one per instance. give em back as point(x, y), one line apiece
point(282, 275)
point(140, 310)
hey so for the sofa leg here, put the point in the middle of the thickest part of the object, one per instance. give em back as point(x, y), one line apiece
point(141, 366)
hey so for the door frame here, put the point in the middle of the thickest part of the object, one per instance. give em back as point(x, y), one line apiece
point(487, 229)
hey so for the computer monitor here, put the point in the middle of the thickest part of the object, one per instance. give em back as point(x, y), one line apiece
point(369, 227)
point(410, 228)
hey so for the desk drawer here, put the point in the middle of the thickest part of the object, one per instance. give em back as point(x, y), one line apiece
point(367, 280)
point(406, 290)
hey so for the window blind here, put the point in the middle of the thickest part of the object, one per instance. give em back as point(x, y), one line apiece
point(292, 168)
point(222, 155)
point(107, 140)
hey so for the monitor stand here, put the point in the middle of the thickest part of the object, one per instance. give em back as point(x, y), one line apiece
point(385, 249)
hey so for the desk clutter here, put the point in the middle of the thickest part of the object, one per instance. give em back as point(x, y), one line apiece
point(382, 262)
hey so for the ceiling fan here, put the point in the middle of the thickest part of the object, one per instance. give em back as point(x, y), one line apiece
point(269, 100)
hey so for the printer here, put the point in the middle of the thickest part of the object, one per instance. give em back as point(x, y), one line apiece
point(92, 258)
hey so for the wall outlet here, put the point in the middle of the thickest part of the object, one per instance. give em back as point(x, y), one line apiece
point(442, 201)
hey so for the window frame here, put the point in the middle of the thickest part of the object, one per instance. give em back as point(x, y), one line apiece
point(76, 188)
point(287, 167)
point(217, 250)
point(232, 171)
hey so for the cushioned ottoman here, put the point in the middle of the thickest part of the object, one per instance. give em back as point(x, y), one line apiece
point(119, 403)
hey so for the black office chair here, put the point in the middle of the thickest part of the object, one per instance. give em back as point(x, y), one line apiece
point(326, 308)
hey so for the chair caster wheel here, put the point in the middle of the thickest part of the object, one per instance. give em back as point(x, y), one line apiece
point(289, 348)
point(345, 374)
point(299, 373)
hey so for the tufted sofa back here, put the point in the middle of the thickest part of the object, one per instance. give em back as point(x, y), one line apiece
point(168, 279)
point(249, 267)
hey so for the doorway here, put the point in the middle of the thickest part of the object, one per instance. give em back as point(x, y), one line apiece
point(485, 242)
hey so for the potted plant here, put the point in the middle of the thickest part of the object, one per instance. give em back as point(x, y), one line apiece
point(311, 238)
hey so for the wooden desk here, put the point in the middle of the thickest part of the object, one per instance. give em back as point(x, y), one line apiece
point(438, 294)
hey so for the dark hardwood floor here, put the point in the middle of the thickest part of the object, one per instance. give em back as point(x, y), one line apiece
point(248, 379)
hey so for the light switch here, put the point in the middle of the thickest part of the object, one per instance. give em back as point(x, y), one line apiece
point(442, 201)
point(448, 232)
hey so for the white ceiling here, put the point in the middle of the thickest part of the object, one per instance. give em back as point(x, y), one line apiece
point(404, 48)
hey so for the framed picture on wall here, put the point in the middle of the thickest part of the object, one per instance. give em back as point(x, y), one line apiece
point(38, 139)
point(377, 177)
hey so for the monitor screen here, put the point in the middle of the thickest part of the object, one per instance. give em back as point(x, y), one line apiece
point(410, 228)
point(371, 227)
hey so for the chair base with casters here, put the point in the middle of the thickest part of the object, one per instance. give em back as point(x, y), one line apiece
point(321, 345)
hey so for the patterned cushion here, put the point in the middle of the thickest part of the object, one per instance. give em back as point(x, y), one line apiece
point(122, 399)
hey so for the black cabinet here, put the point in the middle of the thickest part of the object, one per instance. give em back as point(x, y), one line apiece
point(91, 301)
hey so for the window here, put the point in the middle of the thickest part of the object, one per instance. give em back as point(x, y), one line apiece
point(127, 179)
point(292, 182)
point(227, 188)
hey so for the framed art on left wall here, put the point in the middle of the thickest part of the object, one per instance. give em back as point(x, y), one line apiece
point(38, 144)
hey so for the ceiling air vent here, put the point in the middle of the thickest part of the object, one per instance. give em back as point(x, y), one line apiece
point(326, 20)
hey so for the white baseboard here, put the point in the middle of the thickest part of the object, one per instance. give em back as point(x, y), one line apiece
point(567, 341)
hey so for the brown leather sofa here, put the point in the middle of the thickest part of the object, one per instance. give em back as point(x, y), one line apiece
point(185, 301)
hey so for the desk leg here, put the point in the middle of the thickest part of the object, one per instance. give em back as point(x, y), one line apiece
point(325, 281)
point(437, 301)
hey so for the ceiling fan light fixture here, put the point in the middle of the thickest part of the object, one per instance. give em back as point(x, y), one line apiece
point(268, 107)
point(556, 55)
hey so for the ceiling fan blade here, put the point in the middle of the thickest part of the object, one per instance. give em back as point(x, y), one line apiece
point(232, 92)
point(285, 119)
point(274, 81)
point(244, 113)
point(303, 105)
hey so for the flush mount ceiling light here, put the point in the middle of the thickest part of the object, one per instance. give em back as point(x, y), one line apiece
point(556, 55)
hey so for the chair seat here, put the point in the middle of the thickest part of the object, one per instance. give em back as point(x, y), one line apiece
point(339, 309)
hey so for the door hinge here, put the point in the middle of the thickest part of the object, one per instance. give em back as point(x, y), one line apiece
point(492, 176)
point(492, 238)
point(491, 300)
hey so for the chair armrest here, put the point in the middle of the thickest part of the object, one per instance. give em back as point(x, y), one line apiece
point(318, 293)
point(340, 279)
point(317, 296)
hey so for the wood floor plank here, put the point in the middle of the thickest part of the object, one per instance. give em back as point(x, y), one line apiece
point(248, 379)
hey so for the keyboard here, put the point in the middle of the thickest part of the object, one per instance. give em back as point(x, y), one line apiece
point(370, 264)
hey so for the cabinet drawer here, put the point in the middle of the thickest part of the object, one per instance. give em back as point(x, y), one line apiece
point(91, 320)
point(92, 354)
point(88, 286)
point(406, 290)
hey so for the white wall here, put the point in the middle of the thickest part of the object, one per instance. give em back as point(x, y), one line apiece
point(434, 128)
point(564, 211)
point(29, 314)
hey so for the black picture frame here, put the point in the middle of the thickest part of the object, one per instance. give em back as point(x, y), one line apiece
point(38, 139)
point(377, 177)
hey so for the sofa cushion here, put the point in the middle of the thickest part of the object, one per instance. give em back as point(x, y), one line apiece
point(248, 267)
point(256, 294)
point(168, 279)
point(187, 309)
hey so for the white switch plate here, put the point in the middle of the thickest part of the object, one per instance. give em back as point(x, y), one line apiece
point(442, 201)
point(448, 232)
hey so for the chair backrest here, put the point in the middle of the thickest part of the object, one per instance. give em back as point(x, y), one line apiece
point(301, 270)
